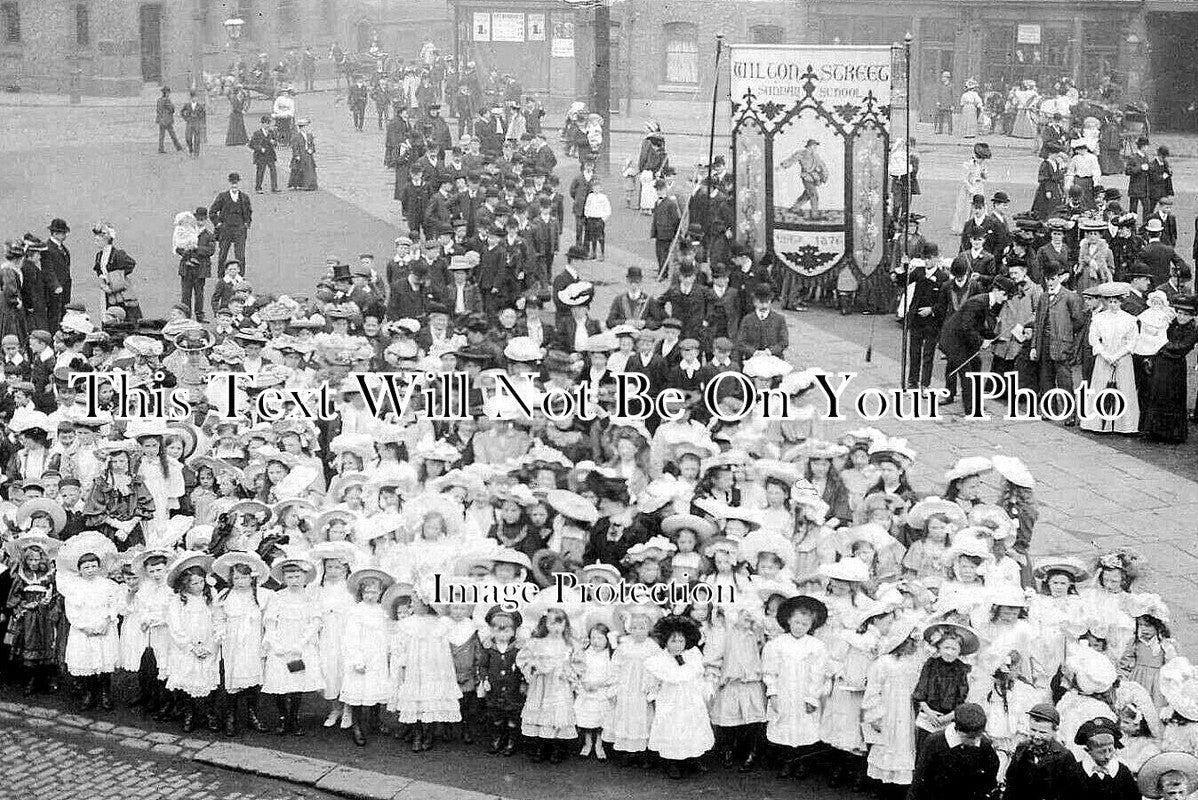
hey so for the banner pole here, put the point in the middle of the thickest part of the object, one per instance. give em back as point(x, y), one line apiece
point(907, 215)
point(715, 95)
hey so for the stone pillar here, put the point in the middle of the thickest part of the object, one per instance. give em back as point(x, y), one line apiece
point(1133, 58)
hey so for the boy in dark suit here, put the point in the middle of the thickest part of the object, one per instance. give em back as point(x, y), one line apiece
point(262, 144)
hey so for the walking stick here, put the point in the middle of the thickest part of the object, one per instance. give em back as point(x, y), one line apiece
point(980, 350)
point(869, 351)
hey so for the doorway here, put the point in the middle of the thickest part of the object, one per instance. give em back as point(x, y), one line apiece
point(151, 42)
point(1172, 83)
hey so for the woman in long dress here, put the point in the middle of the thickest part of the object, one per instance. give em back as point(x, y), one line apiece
point(1050, 183)
point(971, 107)
point(239, 100)
point(1165, 418)
point(1113, 335)
point(1026, 101)
point(652, 161)
point(973, 183)
point(303, 159)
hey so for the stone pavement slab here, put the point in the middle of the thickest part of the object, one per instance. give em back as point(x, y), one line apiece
point(422, 790)
point(260, 761)
point(363, 784)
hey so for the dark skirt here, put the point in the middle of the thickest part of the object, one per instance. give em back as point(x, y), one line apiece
point(236, 137)
point(1166, 419)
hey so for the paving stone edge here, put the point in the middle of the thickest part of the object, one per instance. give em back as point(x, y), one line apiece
point(237, 757)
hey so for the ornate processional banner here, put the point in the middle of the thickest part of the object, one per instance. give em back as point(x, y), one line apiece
point(811, 140)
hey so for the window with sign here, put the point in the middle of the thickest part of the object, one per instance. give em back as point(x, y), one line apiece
point(1016, 53)
point(767, 34)
point(682, 53)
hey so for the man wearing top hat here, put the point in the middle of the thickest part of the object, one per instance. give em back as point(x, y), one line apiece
point(56, 261)
point(1158, 255)
point(231, 213)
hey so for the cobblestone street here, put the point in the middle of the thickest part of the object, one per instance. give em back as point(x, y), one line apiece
point(44, 765)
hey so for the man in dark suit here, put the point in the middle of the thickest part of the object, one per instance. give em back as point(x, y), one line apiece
point(763, 329)
point(164, 116)
point(1060, 318)
point(439, 211)
point(925, 284)
point(977, 260)
point(262, 143)
point(648, 361)
point(1136, 169)
point(195, 267)
point(411, 298)
point(57, 262)
point(1158, 256)
point(231, 213)
point(725, 304)
point(666, 218)
point(957, 762)
point(194, 116)
point(1164, 212)
point(969, 331)
point(635, 307)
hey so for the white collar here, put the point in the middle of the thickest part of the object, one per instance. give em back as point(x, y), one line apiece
point(1091, 768)
point(953, 736)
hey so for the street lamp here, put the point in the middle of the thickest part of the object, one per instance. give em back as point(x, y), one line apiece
point(233, 27)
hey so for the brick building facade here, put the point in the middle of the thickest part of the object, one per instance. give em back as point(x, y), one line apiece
point(115, 47)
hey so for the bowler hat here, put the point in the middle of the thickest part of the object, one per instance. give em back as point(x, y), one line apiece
point(634, 274)
point(59, 225)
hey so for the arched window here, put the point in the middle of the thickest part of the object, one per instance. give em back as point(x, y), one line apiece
point(682, 53)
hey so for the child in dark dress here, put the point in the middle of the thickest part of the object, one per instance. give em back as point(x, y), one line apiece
point(944, 679)
point(33, 614)
point(501, 684)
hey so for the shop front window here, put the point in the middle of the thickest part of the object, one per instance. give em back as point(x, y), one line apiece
point(1019, 52)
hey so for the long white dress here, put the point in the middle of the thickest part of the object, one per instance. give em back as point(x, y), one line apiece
point(594, 703)
point(973, 183)
point(633, 716)
point(147, 606)
point(91, 603)
point(291, 621)
point(166, 489)
point(849, 659)
point(335, 602)
point(796, 673)
point(681, 728)
point(422, 672)
point(889, 718)
point(1113, 335)
point(192, 622)
point(1048, 615)
point(365, 640)
point(239, 617)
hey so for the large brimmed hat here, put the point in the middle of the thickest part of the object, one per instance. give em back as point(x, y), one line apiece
point(765, 365)
point(572, 505)
point(40, 541)
point(851, 570)
point(1179, 687)
point(253, 508)
point(970, 465)
point(304, 507)
point(223, 566)
point(901, 630)
point(1093, 672)
point(1149, 776)
point(185, 561)
point(304, 564)
point(970, 643)
point(969, 546)
point(1014, 471)
point(788, 607)
point(761, 541)
point(82, 544)
point(1072, 567)
point(44, 505)
point(523, 349)
point(668, 626)
point(507, 555)
point(578, 293)
point(674, 523)
point(354, 582)
point(918, 514)
point(1109, 290)
point(394, 594)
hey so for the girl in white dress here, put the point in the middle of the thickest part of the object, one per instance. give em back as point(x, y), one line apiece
point(426, 684)
point(145, 640)
point(193, 666)
point(334, 600)
point(239, 618)
point(594, 704)
point(888, 715)
point(738, 708)
point(633, 714)
point(549, 665)
point(163, 479)
point(91, 603)
point(681, 731)
point(795, 669)
point(291, 622)
point(366, 681)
